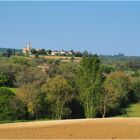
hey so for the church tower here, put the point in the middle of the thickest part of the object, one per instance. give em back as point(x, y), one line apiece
point(29, 47)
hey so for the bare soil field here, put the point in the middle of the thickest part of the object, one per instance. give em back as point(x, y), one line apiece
point(62, 58)
point(111, 128)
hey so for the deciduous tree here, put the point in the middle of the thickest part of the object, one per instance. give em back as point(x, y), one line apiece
point(115, 93)
point(89, 84)
point(58, 92)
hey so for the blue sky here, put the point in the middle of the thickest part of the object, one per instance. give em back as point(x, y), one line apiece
point(98, 27)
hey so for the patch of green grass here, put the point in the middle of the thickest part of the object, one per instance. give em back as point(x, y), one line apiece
point(133, 110)
point(13, 89)
point(17, 121)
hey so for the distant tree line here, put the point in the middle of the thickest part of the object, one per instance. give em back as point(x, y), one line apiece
point(7, 52)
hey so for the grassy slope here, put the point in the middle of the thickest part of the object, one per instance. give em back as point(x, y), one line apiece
point(133, 110)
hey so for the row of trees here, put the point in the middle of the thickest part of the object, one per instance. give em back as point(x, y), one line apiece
point(65, 90)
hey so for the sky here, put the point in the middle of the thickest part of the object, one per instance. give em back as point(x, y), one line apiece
point(99, 27)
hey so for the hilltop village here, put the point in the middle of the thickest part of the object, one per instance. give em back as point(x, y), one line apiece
point(29, 50)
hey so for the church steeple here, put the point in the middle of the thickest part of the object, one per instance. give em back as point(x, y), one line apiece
point(28, 48)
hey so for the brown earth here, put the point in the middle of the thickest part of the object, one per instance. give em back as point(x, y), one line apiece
point(62, 58)
point(111, 128)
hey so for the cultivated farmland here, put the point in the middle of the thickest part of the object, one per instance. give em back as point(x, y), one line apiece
point(112, 128)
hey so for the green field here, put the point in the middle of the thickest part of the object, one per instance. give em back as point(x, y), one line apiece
point(133, 110)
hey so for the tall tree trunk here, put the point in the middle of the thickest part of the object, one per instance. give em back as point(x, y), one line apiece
point(61, 110)
point(104, 106)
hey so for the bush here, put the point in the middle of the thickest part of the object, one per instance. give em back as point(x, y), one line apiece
point(135, 95)
point(23, 61)
point(10, 106)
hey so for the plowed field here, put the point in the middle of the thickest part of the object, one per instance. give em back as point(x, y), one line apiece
point(111, 128)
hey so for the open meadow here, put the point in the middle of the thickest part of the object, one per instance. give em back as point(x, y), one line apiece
point(110, 128)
